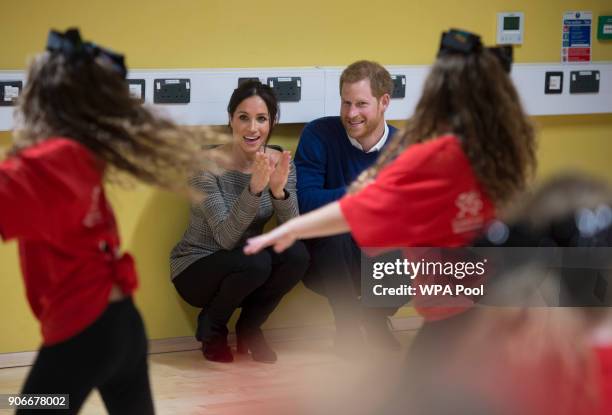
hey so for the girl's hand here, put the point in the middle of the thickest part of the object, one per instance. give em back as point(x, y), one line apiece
point(281, 238)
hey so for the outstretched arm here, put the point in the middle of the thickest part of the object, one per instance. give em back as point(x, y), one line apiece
point(325, 221)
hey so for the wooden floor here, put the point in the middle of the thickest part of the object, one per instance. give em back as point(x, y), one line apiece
point(307, 379)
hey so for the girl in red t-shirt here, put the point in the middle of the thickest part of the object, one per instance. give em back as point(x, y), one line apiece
point(78, 120)
point(468, 148)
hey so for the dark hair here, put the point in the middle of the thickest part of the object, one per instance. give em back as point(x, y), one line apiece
point(253, 88)
point(471, 95)
point(380, 79)
point(87, 100)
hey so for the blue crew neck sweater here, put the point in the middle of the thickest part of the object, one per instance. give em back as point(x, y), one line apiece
point(327, 162)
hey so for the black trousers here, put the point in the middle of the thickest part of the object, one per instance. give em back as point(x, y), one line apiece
point(222, 282)
point(335, 272)
point(110, 355)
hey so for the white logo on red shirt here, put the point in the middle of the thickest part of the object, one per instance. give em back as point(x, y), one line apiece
point(469, 218)
point(469, 204)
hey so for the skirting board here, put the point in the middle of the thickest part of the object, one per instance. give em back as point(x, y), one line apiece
point(180, 344)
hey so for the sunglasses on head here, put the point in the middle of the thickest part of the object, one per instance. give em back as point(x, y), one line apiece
point(74, 48)
point(463, 42)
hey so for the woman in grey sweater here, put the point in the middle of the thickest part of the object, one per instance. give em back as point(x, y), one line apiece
point(209, 269)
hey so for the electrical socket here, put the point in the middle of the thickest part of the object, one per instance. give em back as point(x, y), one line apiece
point(287, 89)
point(553, 82)
point(399, 86)
point(584, 82)
point(246, 79)
point(9, 92)
point(172, 91)
point(137, 89)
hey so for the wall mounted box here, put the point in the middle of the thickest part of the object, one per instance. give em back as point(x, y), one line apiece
point(399, 86)
point(137, 88)
point(9, 92)
point(553, 82)
point(510, 28)
point(172, 91)
point(246, 79)
point(604, 28)
point(287, 89)
point(584, 82)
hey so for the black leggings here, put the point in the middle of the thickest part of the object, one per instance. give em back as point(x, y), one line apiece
point(223, 281)
point(110, 355)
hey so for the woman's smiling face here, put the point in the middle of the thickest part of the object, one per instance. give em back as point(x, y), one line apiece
point(250, 124)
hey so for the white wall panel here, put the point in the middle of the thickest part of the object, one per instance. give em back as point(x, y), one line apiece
point(211, 90)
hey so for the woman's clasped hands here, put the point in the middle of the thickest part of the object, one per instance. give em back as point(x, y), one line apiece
point(268, 171)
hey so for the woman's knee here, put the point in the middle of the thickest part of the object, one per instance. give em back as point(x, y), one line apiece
point(335, 243)
point(294, 264)
point(256, 268)
point(297, 255)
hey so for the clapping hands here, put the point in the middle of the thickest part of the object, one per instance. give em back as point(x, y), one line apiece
point(267, 172)
point(278, 178)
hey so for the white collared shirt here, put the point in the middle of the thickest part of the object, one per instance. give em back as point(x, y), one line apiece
point(376, 147)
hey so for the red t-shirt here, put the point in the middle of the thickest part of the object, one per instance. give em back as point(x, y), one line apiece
point(52, 201)
point(604, 360)
point(428, 197)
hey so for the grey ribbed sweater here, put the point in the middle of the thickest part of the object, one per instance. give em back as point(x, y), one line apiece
point(228, 215)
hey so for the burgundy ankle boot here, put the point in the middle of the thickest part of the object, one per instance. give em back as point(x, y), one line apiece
point(217, 350)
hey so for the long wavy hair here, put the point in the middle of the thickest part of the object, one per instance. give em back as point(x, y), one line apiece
point(89, 102)
point(472, 97)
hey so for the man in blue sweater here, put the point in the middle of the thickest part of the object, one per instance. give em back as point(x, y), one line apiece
point(331, 153)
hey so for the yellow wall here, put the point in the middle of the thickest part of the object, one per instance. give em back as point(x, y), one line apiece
point(231, 33)
point(207, 33)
